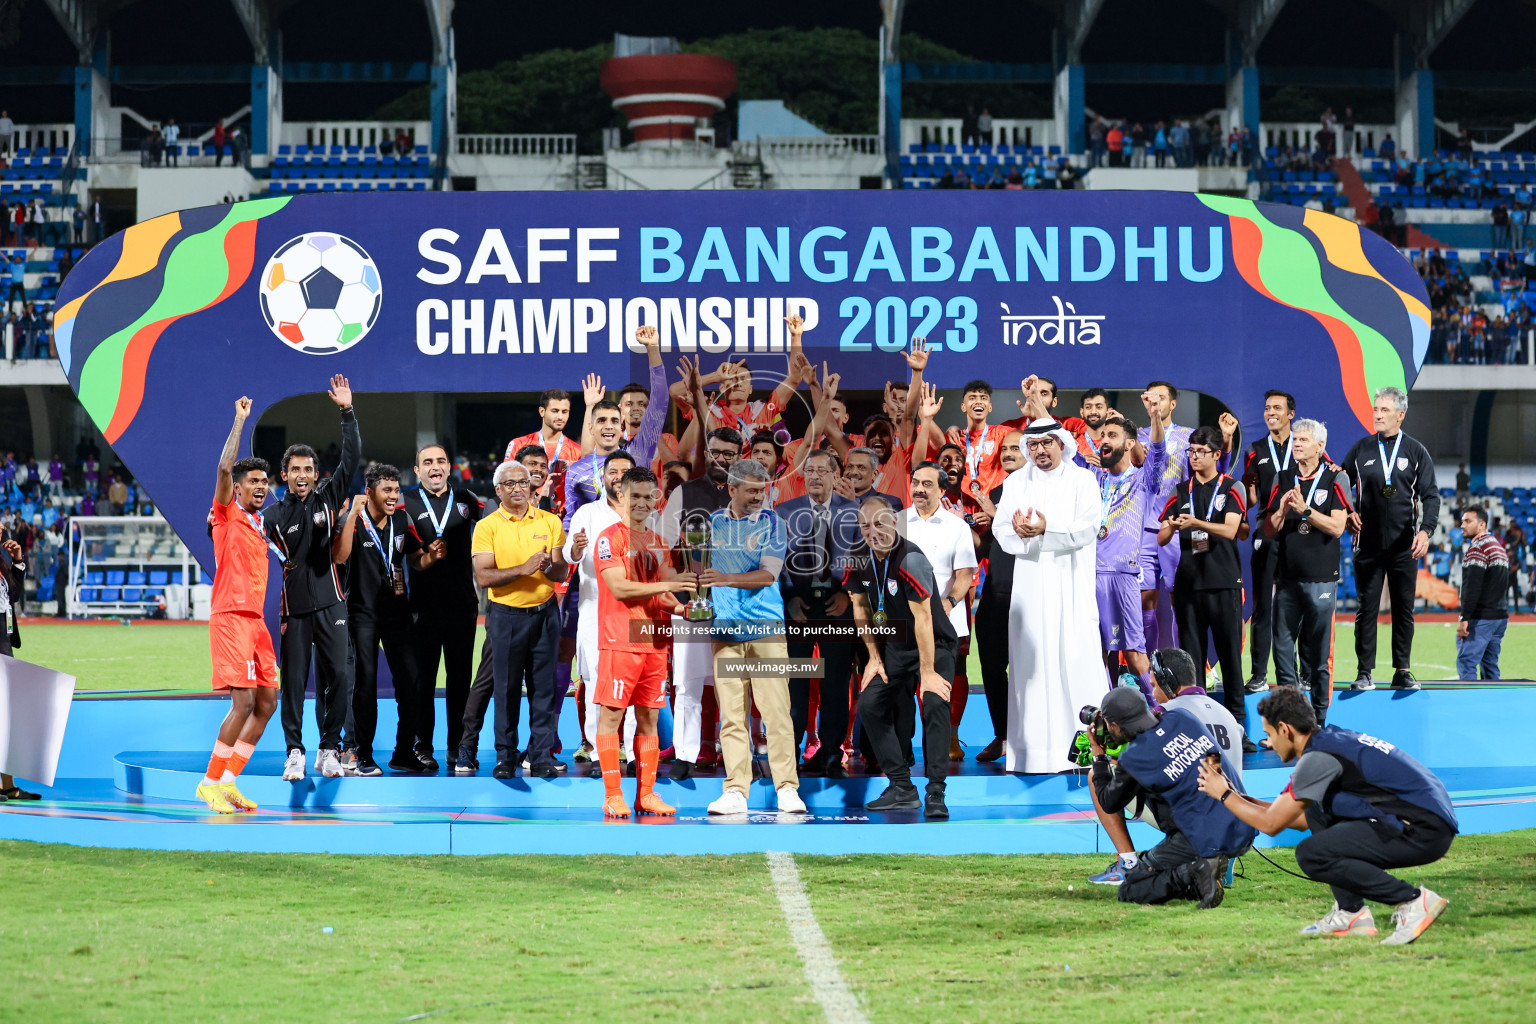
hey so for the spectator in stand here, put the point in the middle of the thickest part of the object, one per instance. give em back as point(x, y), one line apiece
point(1500, 225)
point(1516, 550)
point(1097, 147)
point(1388, 149)
point(1114, 142)
point(1484, 615)
point(1519, 219)
point(117, 494)
point(7, 132)
point(154, 147)
point(1200, 140)
point(19, 223)
point(172, 137)
point(1178, 140)
point(1160, 145)
point(220, 137)
point(403, 145)
point(1347, 137)
point(984, 127)
point(1138, 145)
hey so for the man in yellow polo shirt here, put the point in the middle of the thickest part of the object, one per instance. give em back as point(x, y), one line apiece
point(518, 558)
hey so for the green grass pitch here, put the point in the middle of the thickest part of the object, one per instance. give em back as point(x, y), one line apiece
point(122, 935)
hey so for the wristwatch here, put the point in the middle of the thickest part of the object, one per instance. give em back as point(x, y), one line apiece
point(1224, 796)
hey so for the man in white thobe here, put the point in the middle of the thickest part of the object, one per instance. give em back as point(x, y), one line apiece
point(1048, 518)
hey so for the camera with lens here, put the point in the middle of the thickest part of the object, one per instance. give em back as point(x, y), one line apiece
point(1081, 753)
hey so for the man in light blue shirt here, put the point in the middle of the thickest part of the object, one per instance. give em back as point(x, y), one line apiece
point(748, 544)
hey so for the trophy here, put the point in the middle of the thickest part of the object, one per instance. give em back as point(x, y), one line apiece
point(696, 550)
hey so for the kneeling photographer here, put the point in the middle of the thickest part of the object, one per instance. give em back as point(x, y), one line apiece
point(1158, 764)
point(1369, 807)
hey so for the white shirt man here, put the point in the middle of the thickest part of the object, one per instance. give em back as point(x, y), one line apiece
point(944, 538)
point(1048, 519)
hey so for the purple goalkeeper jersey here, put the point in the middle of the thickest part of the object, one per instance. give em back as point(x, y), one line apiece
point(1127, 498)
point(583, 478)
point(1175, 468)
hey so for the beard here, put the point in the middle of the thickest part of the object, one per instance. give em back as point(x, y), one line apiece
point(717, 474)
point(1094, 422)
point(1109, 455)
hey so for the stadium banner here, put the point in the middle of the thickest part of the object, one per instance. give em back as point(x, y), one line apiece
point(162, 326)
point(34, 708)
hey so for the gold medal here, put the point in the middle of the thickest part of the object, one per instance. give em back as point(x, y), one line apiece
point(880, 617)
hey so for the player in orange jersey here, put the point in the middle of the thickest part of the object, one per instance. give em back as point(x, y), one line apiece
point(243, 661)
point(637, 586)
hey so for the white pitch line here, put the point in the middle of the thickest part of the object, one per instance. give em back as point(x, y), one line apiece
point(826, 981)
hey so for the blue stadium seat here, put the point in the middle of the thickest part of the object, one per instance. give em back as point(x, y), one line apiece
point(95, 579)
point(116, 577)
point(159, 578)
point(110, 594)
point(136, 578)
point(88, 594)
point(131, 593)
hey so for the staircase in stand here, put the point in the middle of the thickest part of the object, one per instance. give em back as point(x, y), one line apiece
point(748, 172)
point(1366, 210)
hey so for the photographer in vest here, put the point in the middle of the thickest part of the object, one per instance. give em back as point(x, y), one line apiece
point(1370, 807)
point(1159, 764)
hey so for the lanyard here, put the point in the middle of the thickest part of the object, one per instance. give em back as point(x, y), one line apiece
point(437, 524)
point(387, 552)
point(973, 456)
point(1274, 460)
point(1108, 496)
point(552, 456)
point(1315, 481)
point(259, 524)
point(1387, 464)
point(880, 579)
point(1210, 509)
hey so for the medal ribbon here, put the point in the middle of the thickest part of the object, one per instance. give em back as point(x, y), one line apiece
point(388, 552)
point(437, 524)
point(880, 582)
point(1274, 460)
point(1387, 464)
point(973, 455)
point(1108, 496)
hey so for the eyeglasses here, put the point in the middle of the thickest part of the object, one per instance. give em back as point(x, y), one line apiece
point(1040, 446)
point(1201, 453)
point(509, 484)
point(723, 454)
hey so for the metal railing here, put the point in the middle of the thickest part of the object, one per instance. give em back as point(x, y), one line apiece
point(814, 146)
point(515, 145)
point(51, 136)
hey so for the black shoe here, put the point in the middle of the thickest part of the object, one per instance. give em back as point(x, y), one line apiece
point(629, 770)
point(935, 809)
point(17, 793)
point(1258, 684)
point(428, 762)
point(1209, 872)
point(368, 768)
point(682, 771)
point(405, 761)
point(545, 771)
point(836, 770)
point(1403, 679)
point(466, 764)
point(1363, 682)
point(1250, 747)
point(503, 770)
point(813, 767)
point(896, 798)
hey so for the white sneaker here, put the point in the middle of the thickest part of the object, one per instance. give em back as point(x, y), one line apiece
point(328, 764)
point(1340, 922)
point(1413, 917)
point(790, 802)
point(293, 768)
point(733, 801)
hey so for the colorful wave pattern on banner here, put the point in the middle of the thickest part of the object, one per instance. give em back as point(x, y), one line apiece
point(168, 268)
point(1319, 266)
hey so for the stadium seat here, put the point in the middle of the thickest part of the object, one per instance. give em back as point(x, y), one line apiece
point(110, 595)
point(116, 577)
point(131, 593)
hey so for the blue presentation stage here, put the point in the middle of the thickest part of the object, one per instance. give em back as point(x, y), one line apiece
point(129, 768)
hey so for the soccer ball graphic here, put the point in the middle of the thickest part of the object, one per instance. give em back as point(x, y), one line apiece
point(320, 293)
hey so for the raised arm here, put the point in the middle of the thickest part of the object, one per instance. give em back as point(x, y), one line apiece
point(643, 445)
point(335, 489)
point(341, 544)
point(917, 362)
point(224, 484)
point(786, 389)
point(592, 392)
